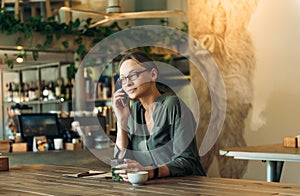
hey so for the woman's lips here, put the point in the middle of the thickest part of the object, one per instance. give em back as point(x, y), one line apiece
point(130, 91)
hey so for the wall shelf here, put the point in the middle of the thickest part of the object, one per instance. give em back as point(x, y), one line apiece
point(30, 74)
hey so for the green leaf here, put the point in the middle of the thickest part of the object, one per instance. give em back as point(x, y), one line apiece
point(35, 55)
point(65, 44)
point(71, 71)
point(22, 52)
point(10, 64)
point(76, 24)
point(39, 46)
point(78, 40)
point(81, 50)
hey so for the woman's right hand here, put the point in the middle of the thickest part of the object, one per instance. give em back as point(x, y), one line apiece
point(121, 108)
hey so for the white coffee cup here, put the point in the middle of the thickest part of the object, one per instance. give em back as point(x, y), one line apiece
point(137, 178)
point(58, 143)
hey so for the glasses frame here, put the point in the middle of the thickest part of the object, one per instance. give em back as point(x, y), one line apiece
point(124, 79)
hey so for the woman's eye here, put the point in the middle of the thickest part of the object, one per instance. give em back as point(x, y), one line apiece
point(131, 76)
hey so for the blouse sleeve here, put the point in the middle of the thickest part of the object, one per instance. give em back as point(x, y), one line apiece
point(186, 160)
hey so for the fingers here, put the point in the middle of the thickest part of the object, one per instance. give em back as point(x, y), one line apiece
point(124, 177)
point(129, 161)
point(122, 173)
point(118, 96)
point(122, 166)
point(127, 167)
point(132, 164)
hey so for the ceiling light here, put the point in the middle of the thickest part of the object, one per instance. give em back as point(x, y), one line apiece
point(19, 47)
point(19, 59)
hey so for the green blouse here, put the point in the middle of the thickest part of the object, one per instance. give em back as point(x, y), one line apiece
point(172, 140)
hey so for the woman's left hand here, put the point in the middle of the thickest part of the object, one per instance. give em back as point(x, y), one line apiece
point(129, 166)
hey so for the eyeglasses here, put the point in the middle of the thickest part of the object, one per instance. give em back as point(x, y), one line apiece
point(133, 76)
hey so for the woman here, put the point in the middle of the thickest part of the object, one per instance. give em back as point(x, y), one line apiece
point(156, 134)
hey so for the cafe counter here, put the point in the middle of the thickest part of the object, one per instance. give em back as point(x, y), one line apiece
point(82, 157)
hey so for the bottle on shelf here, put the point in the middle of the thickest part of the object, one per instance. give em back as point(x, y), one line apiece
point(45, 94)
point(106, 88)
point(44, 91)
point(36, 90)
point(68, 90)
point(43, 85)
point(26, 91)
point(88, 84)
point(99, 90)
point(58, 89)
point(10, 93)
point(72, 88)
point(16, 96)
point(22, 89)
point(62, 89)
point(51, 89)
point(31, 91)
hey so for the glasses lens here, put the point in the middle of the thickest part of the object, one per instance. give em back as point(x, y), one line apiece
point(133, 76)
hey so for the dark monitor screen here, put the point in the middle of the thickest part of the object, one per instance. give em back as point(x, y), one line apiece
point(39, 124)
point(65, 124)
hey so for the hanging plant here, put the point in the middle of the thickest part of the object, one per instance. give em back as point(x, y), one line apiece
point(52, 31)
point(78, 32)
point(10, 63)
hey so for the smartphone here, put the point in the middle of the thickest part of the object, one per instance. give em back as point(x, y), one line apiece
point(118, 85)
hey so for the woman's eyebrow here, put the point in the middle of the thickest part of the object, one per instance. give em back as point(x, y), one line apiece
point(135, 70)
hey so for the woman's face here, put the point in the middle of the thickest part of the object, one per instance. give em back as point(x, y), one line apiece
point(136, 79)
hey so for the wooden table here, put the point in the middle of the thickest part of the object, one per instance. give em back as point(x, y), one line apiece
point(274, 154)
point(49, 180)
